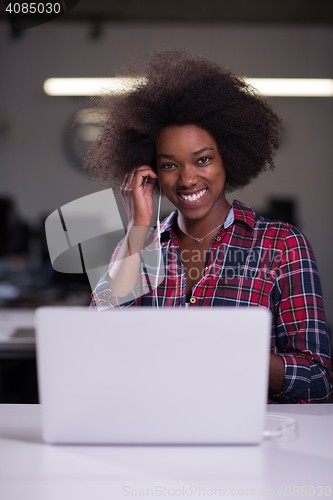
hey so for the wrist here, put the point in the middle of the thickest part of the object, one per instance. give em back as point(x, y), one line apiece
point(135, 239)
point(140, 223)
point(276, 374)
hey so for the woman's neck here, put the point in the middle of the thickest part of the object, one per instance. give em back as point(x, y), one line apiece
point(198, 228)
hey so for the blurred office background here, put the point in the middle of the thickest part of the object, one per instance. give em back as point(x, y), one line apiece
point(41, 149)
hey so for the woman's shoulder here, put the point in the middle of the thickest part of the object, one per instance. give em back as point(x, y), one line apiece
point(255, 220)
point(281, 233)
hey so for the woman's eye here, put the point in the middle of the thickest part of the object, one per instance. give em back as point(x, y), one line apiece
point(204, 159)
point(168, 166)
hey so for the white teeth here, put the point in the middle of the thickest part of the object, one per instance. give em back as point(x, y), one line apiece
point(193, 197)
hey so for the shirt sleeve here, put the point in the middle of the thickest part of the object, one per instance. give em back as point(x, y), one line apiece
point(301, 332)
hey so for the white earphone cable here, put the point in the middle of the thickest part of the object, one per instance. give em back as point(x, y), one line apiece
point(159, 244)
point(287, 423)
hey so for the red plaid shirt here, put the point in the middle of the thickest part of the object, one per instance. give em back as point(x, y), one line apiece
point(252, 261)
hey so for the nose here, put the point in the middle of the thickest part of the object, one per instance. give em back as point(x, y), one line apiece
point(187, 176)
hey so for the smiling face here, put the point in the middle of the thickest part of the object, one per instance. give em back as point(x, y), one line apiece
point(191, 173)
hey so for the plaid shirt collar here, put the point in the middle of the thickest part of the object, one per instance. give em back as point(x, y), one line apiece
point(238, 212)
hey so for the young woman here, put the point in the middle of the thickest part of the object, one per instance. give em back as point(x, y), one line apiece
point(196, 131)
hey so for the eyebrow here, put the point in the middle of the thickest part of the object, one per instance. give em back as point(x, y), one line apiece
point(171, 157)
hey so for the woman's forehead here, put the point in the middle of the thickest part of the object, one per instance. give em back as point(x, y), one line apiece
point(191, 138)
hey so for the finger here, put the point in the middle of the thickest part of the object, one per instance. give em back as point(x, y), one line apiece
point(124, 182)
point(146, 170)
point(129, 179)
point(140, 179)
point(150, 184)
point(137, 178)
point(144, 180)
point(142, 176)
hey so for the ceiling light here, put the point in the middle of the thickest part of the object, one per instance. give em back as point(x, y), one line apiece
point(291, 87)
point(89, 86)
point(298, 87)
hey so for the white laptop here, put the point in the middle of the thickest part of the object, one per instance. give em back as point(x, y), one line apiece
point(146, 375)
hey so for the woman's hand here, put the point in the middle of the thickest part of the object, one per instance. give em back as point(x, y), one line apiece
point(137, 192)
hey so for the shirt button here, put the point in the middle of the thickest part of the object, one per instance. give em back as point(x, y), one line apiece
point(218, 238)
point(192, 300)
point(206, 268)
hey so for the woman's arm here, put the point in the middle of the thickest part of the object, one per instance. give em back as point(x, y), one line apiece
point(137, 192)
point(124, 271)
point(119, 287)
point(301, 331)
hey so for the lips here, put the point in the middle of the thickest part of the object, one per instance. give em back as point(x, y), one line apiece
point(194, 196)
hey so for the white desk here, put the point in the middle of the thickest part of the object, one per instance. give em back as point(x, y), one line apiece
point(31, 470)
